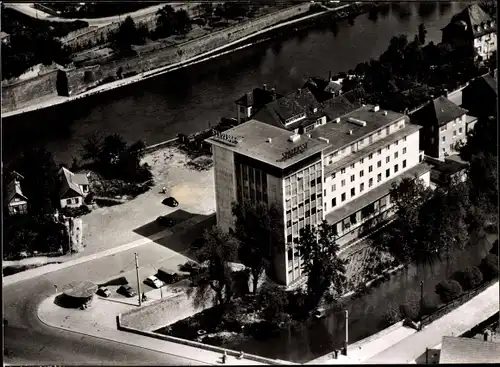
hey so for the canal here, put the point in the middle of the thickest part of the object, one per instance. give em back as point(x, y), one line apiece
point(190, 99)
point(366, 313)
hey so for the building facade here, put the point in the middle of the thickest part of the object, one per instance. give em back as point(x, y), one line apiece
point(16, 201)
point(341, 171)
point(474, 30)
point(73, 188)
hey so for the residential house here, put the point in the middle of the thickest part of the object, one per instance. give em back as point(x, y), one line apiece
point(15, 200)
point(444, 173)
point(5, 38)
point(323, 89)
point(473, 30)
point(445, 126)
point(73, 188)
point(341, 172)
point(480, 97)
point(250, 103)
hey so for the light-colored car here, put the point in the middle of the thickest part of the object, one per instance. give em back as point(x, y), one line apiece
point(154, 282)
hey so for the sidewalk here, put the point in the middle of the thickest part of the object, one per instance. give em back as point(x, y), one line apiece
point(100, 321)
point(398, 344)
point(33, 273)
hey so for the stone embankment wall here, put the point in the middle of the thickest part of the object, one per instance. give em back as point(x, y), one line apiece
point(72, 81)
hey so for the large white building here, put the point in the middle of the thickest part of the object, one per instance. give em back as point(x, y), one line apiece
point(341, 171)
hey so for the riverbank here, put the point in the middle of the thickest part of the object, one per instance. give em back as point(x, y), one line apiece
point(217, 52)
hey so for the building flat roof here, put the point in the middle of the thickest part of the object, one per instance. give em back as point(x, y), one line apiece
point(338, 133)
point(465, 350)
point(252, 141)
point(375, 194)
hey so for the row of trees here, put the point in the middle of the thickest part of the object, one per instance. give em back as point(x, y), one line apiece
point(255, 242)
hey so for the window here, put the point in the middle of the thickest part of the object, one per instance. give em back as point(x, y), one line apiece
point(396, 168)
point(334, 187)
point(370, 168)
point(352, 218)
point(387, 172)
point(352, 178)
point(334, 202)
point(361, 187)
point(454, 133)
point(404, 139)
point(443, 138)
point(397, 142)
point(361, 173)
point(342, 171)
point(451, 146)
point(352, 165)
point(395, 155)
point(333, 175)
point(370, 182)
point(68, 201)
point(342, 183)
point(420, 158)
point(370, 156)
point(404, 163)
point(353, 192)
point(362, 160)
point(379, 151)
point(342, 197)
point(379, 164)
point(404, 150)
point(379, 132)
point(460, 130)
point(379, 177)
point(387, 159)
point(387, 130)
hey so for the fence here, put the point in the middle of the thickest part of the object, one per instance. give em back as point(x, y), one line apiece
point(443, 310)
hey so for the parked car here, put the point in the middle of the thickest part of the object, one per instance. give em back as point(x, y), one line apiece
point(127, 291)
point(103, 292)
point(154, 282)
point(170, 201)
point(166, 276)
point(165, 221)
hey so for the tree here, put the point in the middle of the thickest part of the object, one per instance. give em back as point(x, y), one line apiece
point(112, 148)
point(482, 139)
point(256, 227)
point(219, 249)
point(273, 302)
point(321, 263)
point(489, 267)
point(126, 35)
point(422, 33)
point(91, 149)
point(448, 290)
point(470, 278)
point(170, 22)
point(205, 10)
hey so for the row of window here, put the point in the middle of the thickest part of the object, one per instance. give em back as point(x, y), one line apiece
point(460, 130)
point(343, 196)
point(455, 122)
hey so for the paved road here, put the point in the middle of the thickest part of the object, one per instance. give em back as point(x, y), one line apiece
point(29, 10)
point(28, 341)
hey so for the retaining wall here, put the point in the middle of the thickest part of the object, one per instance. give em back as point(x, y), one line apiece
point(190, 343)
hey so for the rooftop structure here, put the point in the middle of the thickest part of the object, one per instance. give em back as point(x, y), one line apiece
point(268, 144)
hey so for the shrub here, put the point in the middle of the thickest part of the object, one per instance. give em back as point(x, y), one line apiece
point(75, 212)
point(428, 308)
point(469, 278)
point(273, 302)
point(489, 267)
point(411, 307)
point(391, 315)
point(448, 290)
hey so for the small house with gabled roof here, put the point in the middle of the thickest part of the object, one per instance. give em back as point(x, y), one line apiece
point(73, 188)
point(16, 201)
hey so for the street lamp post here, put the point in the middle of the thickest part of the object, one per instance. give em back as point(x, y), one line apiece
point(346, 332)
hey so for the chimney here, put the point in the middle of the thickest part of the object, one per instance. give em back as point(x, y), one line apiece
point(350, 132)
point(269, 140)
point(376, 108)
point(273, 94)
point(264, 86)
point(384, 113)
point(293, 138)
point(337, 120)
point(298, 91)
point(330, 75)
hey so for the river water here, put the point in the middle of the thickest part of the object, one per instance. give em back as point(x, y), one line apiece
point(366, 313)
point(190, 99)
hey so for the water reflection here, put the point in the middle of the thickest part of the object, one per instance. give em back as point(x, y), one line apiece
point(444, 6)
point(366, 313)
point(426, 8)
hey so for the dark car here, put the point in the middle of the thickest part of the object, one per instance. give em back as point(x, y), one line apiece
point(127, 291)
point(165, 221)
point(170, 201)
point(103, 292)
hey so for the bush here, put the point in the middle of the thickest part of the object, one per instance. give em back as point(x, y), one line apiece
point(489, 267)
point(75, 212)
point(273, 302)
point(470, 278)
point(391, 315)
point(448, 290)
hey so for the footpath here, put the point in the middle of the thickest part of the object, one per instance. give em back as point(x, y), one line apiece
point(33, 273)
point(402, 345)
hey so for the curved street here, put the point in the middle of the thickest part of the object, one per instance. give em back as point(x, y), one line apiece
point(28, 341)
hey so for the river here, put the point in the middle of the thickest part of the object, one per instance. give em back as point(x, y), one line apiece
point(366, 313)
point(190, 99)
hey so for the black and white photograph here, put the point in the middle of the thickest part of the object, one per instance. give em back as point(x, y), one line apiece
point(249, 182)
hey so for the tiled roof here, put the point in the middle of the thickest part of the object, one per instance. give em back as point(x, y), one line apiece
point(338, 106)
point(475, 21)
point(465, 350)
point(70, 181)
point(13, 188)
point(491, 82)
point(258, 97)
point(3, 34)
point(439, 111)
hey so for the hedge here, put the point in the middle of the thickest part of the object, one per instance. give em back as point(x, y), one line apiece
point(469, 278)
point(448, 290)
